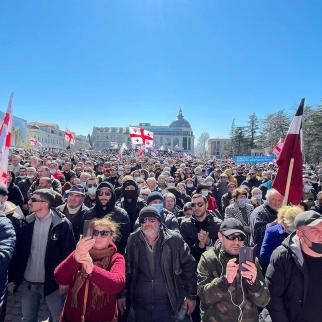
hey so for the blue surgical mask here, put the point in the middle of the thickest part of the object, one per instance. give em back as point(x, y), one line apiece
point(204, 193)
point(158, 207)
point(189, 185)
point(242, 202)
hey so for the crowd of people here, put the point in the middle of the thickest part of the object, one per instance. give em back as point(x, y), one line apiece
point(103, 236)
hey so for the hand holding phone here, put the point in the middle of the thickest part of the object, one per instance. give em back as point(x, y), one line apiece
point(245, 254)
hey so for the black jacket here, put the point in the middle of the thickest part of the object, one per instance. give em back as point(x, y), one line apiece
point(259, 218)
point(24, 186)
point(287, 281)
point(7, 245)
point(61, 243)
point(317, 207)
point(117, 214)
point(177, 264)
point(14, 193)
point(190, 227)
point(54, 182)
point(76, 219)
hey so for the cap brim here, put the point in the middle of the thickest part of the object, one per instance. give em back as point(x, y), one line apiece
point(315, 222)
point(80, 193)
point(232, 231)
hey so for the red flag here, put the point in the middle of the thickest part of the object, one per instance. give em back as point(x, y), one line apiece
point(5, 137)
point(278, 147)
point(141, 136)
point(141, 152)
point(292, 148)
point(69, 137)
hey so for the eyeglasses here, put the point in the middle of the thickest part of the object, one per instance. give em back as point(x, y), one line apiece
point(104, 193)
point(236, 237)
point(36, 200)
point(148, 219)
point(90, 185)
point(197, 204)
point(102, 233)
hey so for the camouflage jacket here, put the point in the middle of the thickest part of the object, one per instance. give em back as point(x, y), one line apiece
point(220, 300)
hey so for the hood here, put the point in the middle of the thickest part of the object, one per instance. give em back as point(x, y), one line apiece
point(110, 205)
point(127, 183)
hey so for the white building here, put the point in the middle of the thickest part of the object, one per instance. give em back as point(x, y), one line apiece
point(218, 147)
point(177, 136)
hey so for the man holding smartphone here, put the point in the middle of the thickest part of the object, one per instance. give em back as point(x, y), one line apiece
point(228, 293)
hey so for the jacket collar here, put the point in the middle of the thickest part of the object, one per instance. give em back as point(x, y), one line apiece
point(57, 218)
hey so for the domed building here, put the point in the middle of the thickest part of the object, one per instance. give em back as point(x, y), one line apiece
point(178, 136)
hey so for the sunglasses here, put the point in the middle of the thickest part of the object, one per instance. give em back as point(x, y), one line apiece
point(236, 237)
point(104, 193)
point(197, 204)
point(36, 200)
point(91, 185)
point(102, 233)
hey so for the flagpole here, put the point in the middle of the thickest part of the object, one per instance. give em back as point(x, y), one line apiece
point(288, 182)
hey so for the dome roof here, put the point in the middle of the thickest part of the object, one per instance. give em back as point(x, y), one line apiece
point(180, 121)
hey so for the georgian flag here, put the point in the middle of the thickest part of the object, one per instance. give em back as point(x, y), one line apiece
point(292, 149)
point(34, 142)
point(69, 137)
point(5, 138)
point(140, 136)
point(278, 147)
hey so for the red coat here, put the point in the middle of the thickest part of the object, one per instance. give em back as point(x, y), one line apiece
point(212, 204)
point(111, 281)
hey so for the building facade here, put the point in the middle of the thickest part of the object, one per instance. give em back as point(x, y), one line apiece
point(51, 137)
point(217, 147)
point(178, 136)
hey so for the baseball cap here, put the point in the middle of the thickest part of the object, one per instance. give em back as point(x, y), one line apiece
point(77, 188)
point(231, 226)
point(309, 218)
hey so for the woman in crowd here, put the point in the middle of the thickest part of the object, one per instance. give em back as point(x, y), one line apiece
point(277, 232)
point(95, 274)
point(257, 197)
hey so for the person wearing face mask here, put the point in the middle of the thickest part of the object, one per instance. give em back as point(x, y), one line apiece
point(308, 191)
point(294, 274)
point(105, 206)
point(318, 203)
point(91, 185)
point(131, 202)
point(156, 200)
point(257, 197)
point(277, 231)
point(144, 193)
point(56, 173)
point(190, 188)
point(240, 208)
point(198, 175)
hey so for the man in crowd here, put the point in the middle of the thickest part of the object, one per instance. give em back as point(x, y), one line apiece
point(251, 180)
point(161, 277)
point(46, 239)
point(7, 245)
point(91, 185)
point(263, 215)
point(294, 275)
point(105, 206)
point(226, 292)
point(25, 184)
point(68, 172)
point(74, 209)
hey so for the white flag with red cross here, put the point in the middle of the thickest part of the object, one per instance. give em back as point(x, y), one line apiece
point(278, 147)
point(5, 137)
point(69, 137)
point(141, 136)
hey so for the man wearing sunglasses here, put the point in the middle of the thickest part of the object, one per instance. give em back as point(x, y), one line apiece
point(161, 277)
point(105, 206)
point(46, 239)
point(294, 275)
point(226, 292)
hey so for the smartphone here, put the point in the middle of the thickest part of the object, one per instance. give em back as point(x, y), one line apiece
point(245, 254)
point(87, 230)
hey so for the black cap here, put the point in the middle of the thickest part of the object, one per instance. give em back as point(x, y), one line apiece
point(155, 195)
point(149, 211)
point(307, 218)
point(3, 190)
point(231, 226)
point(77, 188)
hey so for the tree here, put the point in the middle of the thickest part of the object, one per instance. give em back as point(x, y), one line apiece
point(201, 148)
point(273, 127)
point(252, 129)
point(240, 141)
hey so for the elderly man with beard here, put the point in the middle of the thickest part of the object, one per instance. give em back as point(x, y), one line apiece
point(105, 206)
point(161, 277)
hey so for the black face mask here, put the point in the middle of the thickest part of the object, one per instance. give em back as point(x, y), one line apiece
point(130, 194)
point(316, 247)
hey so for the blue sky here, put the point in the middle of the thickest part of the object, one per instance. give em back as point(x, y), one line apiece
point(81, 63)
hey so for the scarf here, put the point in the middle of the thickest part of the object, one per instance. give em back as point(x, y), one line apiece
point(101, 258)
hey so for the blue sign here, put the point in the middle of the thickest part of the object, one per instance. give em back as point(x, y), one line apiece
point(254, 158)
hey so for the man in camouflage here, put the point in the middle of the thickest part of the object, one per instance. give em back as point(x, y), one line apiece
point(226, 294)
